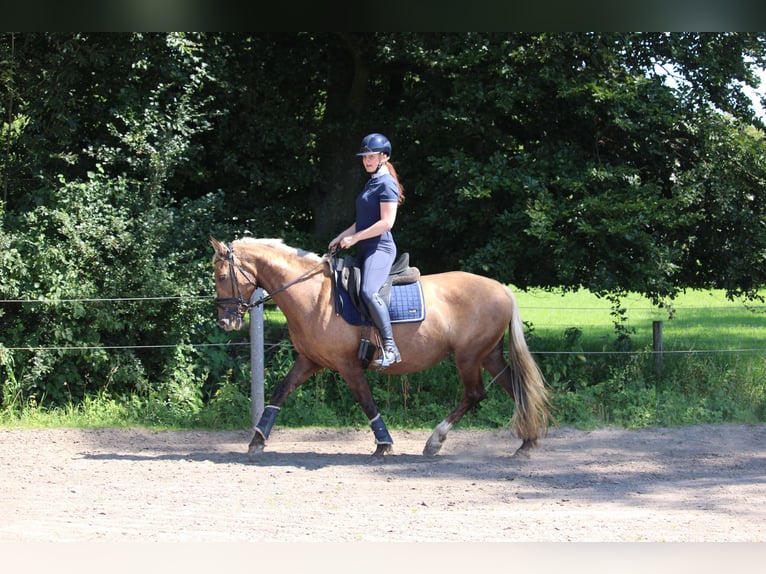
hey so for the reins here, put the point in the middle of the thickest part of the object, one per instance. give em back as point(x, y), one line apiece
point(242, 306)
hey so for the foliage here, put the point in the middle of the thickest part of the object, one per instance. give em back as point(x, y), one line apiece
point(621, 162)
point(561, 161)
point(96, 252)
point(616, 161)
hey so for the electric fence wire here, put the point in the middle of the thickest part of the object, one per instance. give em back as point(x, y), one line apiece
point(271, 345)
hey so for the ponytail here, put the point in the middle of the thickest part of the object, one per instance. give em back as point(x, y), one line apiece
point(393, 173)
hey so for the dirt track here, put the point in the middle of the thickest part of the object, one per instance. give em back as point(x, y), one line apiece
point(698, 484)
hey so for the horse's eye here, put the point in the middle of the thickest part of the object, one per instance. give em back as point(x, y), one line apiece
point(223, 277)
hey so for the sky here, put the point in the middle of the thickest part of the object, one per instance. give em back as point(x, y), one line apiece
point(755, 94)
point(759, 93)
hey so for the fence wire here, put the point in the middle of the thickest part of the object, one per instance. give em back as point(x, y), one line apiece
point(282, 343)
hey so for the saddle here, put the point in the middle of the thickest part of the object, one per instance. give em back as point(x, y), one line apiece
point(347, 277)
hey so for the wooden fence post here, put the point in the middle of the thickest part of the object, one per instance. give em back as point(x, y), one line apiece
point(657, 346)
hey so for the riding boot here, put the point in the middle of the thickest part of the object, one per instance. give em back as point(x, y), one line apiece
point(380, 317)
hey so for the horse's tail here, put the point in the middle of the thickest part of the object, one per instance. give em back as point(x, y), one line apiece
point(531, 416)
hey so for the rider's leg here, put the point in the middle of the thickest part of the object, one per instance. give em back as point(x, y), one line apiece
point(380, 317)
point(375, 269)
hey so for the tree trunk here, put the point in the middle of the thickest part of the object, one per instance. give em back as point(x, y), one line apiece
point(334, 195)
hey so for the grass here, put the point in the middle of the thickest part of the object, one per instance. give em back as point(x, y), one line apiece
point(701, 320)
point(712, 369)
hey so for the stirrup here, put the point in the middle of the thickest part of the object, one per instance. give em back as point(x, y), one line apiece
point(389, 355)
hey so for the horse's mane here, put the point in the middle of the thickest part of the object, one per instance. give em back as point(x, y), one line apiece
point(278, 244)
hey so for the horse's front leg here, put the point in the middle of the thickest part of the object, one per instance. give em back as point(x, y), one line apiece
point(357, 382)
point(301, 370)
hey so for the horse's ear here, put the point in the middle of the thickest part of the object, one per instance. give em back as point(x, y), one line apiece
point(219, 247)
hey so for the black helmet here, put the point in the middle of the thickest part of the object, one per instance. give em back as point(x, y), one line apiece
point(375, 143)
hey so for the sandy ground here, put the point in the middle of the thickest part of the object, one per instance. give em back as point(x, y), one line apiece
point(692, 484)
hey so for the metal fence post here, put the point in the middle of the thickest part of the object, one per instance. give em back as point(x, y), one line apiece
point(256, 357)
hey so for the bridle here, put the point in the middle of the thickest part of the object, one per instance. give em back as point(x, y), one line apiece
point(240, 305)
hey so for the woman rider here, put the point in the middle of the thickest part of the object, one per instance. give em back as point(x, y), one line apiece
point(376, 207)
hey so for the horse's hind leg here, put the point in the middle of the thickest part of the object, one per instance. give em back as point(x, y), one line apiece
point(473, 394)
point(496, 365)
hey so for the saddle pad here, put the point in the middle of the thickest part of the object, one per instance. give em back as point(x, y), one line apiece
point(406, 305)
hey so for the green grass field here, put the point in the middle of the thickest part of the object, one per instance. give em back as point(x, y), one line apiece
point(702, 320)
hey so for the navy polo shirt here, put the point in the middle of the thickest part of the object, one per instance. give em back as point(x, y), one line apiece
point(379, 189)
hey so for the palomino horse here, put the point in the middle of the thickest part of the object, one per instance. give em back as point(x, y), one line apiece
point(466, 315)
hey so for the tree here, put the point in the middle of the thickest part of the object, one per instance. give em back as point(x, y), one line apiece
point(613, 161)
point(561, 160)
point(104, 247)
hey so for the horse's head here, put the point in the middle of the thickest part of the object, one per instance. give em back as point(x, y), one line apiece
point(233, 286)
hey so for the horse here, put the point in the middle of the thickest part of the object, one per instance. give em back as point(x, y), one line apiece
point(466, 315)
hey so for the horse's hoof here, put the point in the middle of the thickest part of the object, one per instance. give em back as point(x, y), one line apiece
point(380, 451)
point(432, 448)
point(521, 454)
point(437, 438)
point(434, 444)
point(524, 451)
point(255, 448)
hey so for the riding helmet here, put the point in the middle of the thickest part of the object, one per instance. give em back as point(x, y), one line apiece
point(375, 143)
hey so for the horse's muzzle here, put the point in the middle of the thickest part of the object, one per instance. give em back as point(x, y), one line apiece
point(231, 323)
